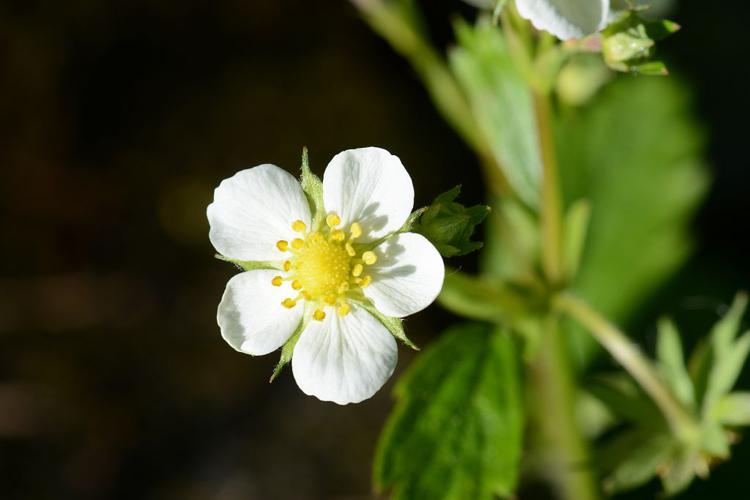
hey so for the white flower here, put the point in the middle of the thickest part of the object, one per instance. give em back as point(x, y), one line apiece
point(566, 19)
point(324, 278)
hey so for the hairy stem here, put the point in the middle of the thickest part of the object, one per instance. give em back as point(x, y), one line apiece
point(559, 451)
point(634, 361)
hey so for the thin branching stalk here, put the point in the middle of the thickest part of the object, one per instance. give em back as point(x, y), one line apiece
point(634, 361)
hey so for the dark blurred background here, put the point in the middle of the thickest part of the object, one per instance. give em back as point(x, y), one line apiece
point(117, 119)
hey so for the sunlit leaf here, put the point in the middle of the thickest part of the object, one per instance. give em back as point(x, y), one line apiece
point(456, 430)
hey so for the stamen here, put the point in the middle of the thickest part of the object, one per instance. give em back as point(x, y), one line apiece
point(330, 299)
point(287, 265)
point(356, 230)
point(296, 285)
point(369, 258)
point(333, 220)
point(350, 249)
point(299, 226)
point(297, 243)
point(357, 270)
point(289, 303)
point(276, 281)
point(319, 315)
point(344, 309)
point(338, 235)
point(343, 287)
point(364, 281)
point(282, 245)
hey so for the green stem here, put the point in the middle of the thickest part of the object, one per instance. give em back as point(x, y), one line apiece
point(559, 451)
point(634, 361)
point(551, 217)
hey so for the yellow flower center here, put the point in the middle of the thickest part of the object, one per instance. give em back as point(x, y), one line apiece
point(322, 265)
point(325, 266)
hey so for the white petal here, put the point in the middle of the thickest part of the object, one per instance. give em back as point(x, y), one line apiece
point(251, 317)
point(254, 209)
point(369, 186)
point(344, 359)
point(566, 19)
point(407, 277)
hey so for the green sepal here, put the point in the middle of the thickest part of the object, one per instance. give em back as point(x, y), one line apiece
point(628, 44)
point(312, 186)
point(672, 362)
point(449, 225)
point(288, 349)
point(732, 410)
point(394, 325)
point(250, 265)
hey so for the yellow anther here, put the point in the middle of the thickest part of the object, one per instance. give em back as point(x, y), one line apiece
point(350, 249)
point(297, 243)
point(287, 265)
point(356, 230)
point(343, 309)
point(305, 295)
point(357, 270)
point(299, 226)
point(333, 220)
point(282, 245)
point(330, 299)
point(319, 315)
point(343, 287)
point(276, 281)
point(369, 258)
point(289, 303)
point(296, 285)
point(364, 281)
point(338, 235)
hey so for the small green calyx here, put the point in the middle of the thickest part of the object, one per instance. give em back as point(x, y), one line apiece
point(629, 43)
point(449, 225)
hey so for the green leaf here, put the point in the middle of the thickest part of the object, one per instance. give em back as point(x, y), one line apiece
point(449, 225)
point(635, 154)
point(733, 409)
point(501, 102)
point(576, 226)
point(672, 362)
point(456, 430)
point(312, 186)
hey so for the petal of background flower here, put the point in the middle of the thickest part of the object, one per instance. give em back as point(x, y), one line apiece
point(254, 209)
point(566, 19)
point(250, 315)
point(344, 359)
point(369, 186)
point(407, 277)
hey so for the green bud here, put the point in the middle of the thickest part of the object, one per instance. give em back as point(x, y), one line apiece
point(628, 44)
point(449, 225)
